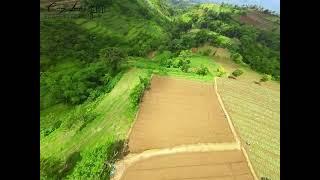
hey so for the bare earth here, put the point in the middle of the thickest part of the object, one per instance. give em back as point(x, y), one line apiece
point(181, 132)
point(178, 112)
point(222, 165)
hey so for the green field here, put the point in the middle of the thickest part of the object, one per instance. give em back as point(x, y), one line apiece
point(196, 61)
point(255, 112)
point(113, 117)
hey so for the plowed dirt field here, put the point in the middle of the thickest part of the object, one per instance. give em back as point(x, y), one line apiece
point(177, 112)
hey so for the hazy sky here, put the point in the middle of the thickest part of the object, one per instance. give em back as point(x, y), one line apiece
point(268, 4)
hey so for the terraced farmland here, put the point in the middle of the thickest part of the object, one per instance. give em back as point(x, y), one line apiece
point(255, 112)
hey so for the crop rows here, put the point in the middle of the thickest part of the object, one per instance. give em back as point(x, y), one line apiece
point(255, 112)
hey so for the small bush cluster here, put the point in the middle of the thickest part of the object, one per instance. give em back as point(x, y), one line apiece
point(49, 130)
point(220, 72)
point(237, 72)
point(202, 70)
point(182, 61)
point(138, 91)
point(53, 168)
point(265, 78)
point(237, 58)
point(98, 163)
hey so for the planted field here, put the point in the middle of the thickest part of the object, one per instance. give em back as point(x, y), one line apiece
point(197, 165)
point(177, 112)
point(255, 112)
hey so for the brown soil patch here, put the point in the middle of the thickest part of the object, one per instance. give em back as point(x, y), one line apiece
point(178, 112)
point(256, 19)
point(196, 165)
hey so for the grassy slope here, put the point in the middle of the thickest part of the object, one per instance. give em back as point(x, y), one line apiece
point(196, 61)
point(115, 24)
point(114, 114)
point(113, 121)
point(222, 58)
point(125, 26)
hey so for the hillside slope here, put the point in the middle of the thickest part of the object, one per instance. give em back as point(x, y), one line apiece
point(95, 64)
point(80, 97)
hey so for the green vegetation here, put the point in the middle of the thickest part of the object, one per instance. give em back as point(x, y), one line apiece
point(255, 112)
point(219, 26)
point(203, 70)
point(265, 78)
point(237, 72)
point(94, 71)
point(89, 128)
point(138, 91)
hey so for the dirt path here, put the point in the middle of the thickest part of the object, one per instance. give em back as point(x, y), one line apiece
point(226, 164)
point(133, 158)
point(182, 131)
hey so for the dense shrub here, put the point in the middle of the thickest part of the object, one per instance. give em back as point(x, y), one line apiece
point(138, 91)
point(87, 118)
point(185, 67)
point(49, 130)
point(145, 81)
point(220, 72)
point(167, 63)
point(52, 168)
point(75, 85)
point(49, 167)
point(237, 72)
point(265, 78)
point(164, 59)
point(62, 39)
point(113, 57)
point(202, 70)
point(98, 163)
point(236, 57)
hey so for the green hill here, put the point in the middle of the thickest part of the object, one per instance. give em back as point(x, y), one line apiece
point(96, 60)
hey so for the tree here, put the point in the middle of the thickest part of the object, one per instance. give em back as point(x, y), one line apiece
point(203, 70)
point(202, 37)
point(185, 55)
point(184, 26)
point(236, 57)
point(113, 57)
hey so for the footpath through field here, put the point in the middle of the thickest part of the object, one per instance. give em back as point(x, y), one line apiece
point(183, 132)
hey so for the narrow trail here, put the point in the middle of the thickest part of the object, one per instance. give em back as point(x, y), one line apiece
point(134, 158)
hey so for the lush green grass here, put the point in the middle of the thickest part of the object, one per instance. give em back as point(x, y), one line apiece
point(255, 112)
point(196, 61)
point(112, 120)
